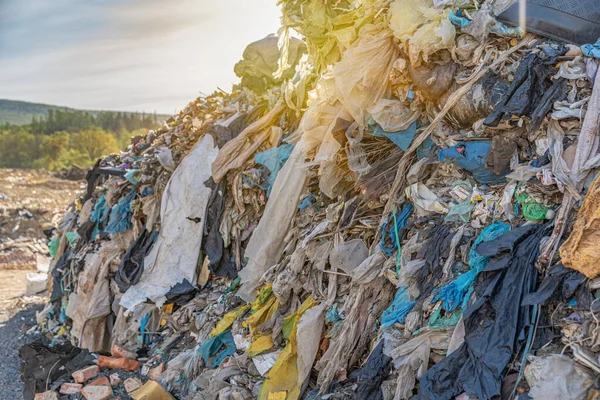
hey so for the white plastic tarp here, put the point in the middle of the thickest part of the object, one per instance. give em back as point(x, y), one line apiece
point(174, 256)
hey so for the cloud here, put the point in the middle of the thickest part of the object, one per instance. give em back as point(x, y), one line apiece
point(131, 55)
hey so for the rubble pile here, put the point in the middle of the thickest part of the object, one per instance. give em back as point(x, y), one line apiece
point(401, 205)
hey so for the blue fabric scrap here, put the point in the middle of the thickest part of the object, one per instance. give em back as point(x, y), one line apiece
point(274, 159)
point(402, 139)
point(120, 215)
point(458, 20)
point(389, 230)
point(219, 346)
point(100, 212)
point(308, 201)
point(133, 176)
point(398, 310)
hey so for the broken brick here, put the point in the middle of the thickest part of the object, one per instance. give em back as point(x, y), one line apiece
point(132, 384)
point(115, 380)
point(118, 363)
point(70, 388)
point(98, 390)
point(91, 392)
point(48, 395)
point(84, 375)
point(120, 352)
point(100, 382)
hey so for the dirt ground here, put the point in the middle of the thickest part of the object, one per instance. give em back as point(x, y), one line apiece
point(29, 200)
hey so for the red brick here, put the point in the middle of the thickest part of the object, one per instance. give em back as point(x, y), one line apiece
point(70, 388)
point(49, 395)
point(132, 384)
point(98, 390)
point(157, 371)
point(100, 382)
point(120, 352)
point(115, 380)
point(118, 363)
point(84, 375)
point(92, 392)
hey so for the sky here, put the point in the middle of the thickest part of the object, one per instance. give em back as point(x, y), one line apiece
point(130, 55)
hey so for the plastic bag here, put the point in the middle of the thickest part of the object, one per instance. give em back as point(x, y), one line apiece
point(361, 76)
point(260, 62)
point(349, 255)
point(393, 115)
point(471, 156)
point(557, 377)
point(266, 243)
point(424, 30)
point(426, 202)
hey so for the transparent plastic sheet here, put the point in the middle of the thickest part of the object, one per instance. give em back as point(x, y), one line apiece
point(347, 256)
point(425, 201)
point(557, 377)
point(412, 358)
point(361, 76)
point(393, 115)
point(357, 159)
point(266, 243)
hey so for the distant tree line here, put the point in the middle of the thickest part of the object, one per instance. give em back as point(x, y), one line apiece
point(67, 137)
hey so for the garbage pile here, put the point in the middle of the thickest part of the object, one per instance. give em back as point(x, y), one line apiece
point(401, 206)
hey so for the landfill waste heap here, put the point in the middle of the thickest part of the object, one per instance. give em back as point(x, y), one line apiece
point(400, 205)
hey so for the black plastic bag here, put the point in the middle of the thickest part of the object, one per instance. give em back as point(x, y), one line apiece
point(495, 324)
point(132, 264)
point(43, 365)
point(221, 262)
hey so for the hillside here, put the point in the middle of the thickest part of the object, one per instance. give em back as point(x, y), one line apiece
point(16, 112)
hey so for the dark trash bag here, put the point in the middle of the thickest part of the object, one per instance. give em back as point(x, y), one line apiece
point(42, 364)
point(531, 92)
point(181, 293)
point(220, 257)
point(363, 383)
point(495, 324)
point(132, 264)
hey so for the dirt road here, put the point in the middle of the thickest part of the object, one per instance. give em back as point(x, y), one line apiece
point(28, 202)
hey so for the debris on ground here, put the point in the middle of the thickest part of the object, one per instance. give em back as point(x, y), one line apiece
point(400, 207)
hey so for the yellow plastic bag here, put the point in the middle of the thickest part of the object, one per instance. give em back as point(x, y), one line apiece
point(262, 308)
point(406, 17)
point(228, 320)
point(260, 345)
point(283, 377)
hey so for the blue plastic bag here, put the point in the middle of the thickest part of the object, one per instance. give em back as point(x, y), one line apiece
point(220, 346)
point(591, 50)
point(453, 294)
point(471, 156)
point(402, 139)
point(274, 159)
point(398, 310)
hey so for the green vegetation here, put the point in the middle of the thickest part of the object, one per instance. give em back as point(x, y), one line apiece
point(64, 137)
